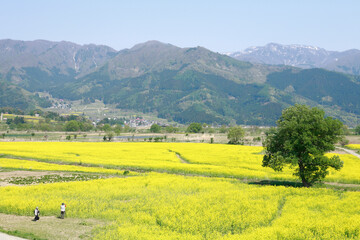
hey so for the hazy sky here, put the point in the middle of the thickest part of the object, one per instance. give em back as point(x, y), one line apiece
point(220, 26)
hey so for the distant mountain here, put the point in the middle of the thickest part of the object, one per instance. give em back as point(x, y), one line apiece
point(37, 65)
point(64, 56)
point(302, 56)
point(182, 84)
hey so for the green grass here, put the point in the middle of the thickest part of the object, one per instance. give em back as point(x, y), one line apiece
point(21, 234)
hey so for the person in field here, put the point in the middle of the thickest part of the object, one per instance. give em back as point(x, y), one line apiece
point(62, 210)
point(37, 214)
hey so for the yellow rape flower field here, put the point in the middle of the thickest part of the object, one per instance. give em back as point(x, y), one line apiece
point(34, 165)
point(354, 146)
point(181, 191)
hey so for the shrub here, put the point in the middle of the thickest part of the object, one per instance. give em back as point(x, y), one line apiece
point(194, 128)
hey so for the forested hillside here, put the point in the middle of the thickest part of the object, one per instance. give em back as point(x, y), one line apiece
point(180, 84)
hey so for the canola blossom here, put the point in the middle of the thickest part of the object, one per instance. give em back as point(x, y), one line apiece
point(167, 206)
point(354, 146)
point(216, 160)
point(350, 173)
point(171, 202)
point(42, 166)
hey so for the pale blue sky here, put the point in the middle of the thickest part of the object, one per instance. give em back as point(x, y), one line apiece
point(221, 26)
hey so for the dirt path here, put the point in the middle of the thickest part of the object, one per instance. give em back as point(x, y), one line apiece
point(50, 227)
point(350, 185)
point(4, 236)
point(5, 177)
point(181, 159)
point(349, 151)
point(24, 174)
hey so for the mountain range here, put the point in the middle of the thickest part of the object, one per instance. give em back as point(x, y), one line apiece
point(302, 56)
point(180, 84)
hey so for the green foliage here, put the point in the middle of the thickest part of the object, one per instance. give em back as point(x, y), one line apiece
point(158, 139)
point(184, 85)
point(184, 96)
point(17, 120)
point(301, 138)
point(110, 136)
point(346, 130)
point(194, 128)
point(223, 129)
point(324, 87)
point(112, 121)
point(40, 80)
point(155, 128)
point(171, 129)
point(211, 130)
point(11, 110)
point(117, 129)
point(344, 142)
point(72, 126)
point(41, 102)
point(106, 127)
point(235, 135)
point(357, 130)
point(11, 96)
point(256, 139)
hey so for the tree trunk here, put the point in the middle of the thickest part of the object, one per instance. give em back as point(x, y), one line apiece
point(302, 174)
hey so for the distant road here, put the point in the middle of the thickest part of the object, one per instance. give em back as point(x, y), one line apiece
point(4, 236)
point(349, 151)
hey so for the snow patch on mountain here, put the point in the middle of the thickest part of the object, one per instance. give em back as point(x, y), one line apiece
point(303, 56)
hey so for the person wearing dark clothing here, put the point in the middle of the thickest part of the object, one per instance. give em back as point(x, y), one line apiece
point(37, 214)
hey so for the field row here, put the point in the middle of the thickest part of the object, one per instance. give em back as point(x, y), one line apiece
point(18, 164)
point(182, 158)
point(165, 206)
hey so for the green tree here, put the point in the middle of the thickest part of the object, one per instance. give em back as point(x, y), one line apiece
point(171, 129)
point(72, 126)
point(19, 120)
point(117, 129)
point(106, 127)
point(86, 126)
point(194, 128)
point(110, 136)
point(223, 129)
point(155, 128)
point(301, 138)
point(211, 130)
point(127, 128)
point(235, 135)
point(357, 130)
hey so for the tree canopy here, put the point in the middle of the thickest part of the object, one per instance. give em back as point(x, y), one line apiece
point(155, 128)
point(72, 126)
point(235, 135)
point(357, 130)
point(301, 138)
point(194, 128)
